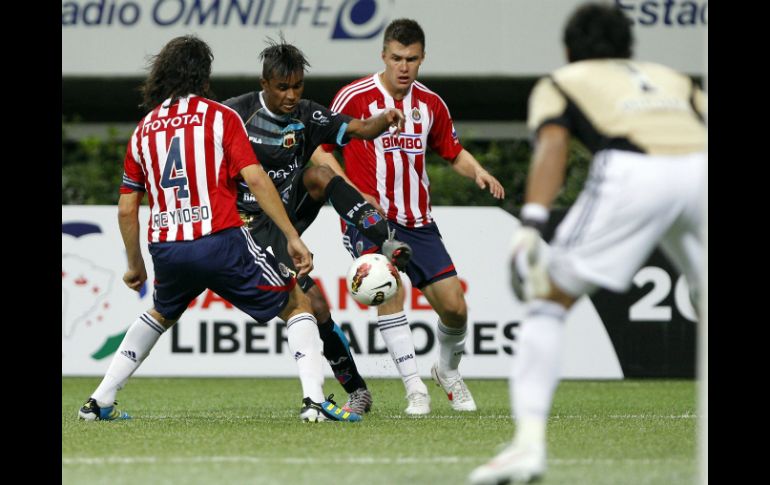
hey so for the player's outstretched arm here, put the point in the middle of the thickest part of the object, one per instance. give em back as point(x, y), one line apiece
point(391, 119)
point(128, 221)
point(269, 200)
point(466, 165)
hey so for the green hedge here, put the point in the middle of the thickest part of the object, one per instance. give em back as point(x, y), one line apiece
point(92, 171)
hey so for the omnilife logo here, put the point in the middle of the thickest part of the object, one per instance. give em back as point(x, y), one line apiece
point(342, 19)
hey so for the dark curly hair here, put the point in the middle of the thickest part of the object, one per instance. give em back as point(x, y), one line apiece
point(281, 59)
point(182, 67)
point(598, 31)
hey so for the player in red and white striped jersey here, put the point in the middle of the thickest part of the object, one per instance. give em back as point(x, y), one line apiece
point(390, 171)
point(186, 154)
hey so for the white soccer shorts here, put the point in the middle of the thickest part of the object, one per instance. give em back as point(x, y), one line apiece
point(631, 202)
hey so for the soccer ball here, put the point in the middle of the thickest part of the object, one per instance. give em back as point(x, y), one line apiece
point(372, 279)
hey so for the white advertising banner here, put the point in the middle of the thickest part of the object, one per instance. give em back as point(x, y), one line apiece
point(214, 339)
point(344, 37)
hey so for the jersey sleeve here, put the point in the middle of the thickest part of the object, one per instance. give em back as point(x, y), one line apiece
point(348, 111)
point(133, 175)
point(443, 136)
point(547, 104)
point(235, 143)
point(326, 126)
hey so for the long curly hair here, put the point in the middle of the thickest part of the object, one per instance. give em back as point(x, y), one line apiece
point(182, 67)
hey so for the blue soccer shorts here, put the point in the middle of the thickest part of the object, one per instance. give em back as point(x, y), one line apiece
point(230, 264)
point(430, 260)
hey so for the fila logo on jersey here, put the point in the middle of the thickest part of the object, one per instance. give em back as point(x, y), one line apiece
point(289, 139)
point(352, 211)
point(416, 115)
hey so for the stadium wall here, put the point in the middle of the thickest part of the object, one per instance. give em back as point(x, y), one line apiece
point(647, 332)
point(519, 38)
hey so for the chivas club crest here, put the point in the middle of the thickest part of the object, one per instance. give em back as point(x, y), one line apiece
point(289, 139)
point(416, 115)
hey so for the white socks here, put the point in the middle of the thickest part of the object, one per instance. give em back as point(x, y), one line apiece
point(136, 345)
point(398, 338)
point(451, 343)
point(307, 349)
point(535, 369)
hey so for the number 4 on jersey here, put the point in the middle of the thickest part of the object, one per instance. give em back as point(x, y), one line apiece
point(173, 171)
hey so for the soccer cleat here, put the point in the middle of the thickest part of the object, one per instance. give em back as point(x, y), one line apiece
point(456, 390)
point(92, 412)
point(326, 411)
point(515, 464)
point(359, 401)
point(419, 403)
point(399, 253)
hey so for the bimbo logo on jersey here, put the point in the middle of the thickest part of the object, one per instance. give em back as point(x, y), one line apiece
point(408, 142)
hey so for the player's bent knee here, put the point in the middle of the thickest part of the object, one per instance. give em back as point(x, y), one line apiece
point(454, 313)
point(165, 322)
point(316, 179)
point(319, 305)
point(298, 303)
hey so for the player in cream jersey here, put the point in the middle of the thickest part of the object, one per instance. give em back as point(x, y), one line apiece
point(644, 124)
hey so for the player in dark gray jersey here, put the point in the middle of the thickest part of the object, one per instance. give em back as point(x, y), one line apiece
point(644, 124)
point(284, 131)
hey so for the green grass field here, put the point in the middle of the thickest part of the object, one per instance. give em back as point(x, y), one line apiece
point(222, 431)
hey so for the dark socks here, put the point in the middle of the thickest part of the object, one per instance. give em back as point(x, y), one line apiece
point(336, 351)
point(355, 210)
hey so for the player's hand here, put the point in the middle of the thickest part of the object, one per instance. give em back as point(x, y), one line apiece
point(135, 278)
point(484, 179)
point(529, 276)
point(301, 256)
point(395, 120)
point(372, 200)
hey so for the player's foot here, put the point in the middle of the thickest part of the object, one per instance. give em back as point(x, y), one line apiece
point(92, 412)
point(399, 253)
point(456, 390)
point(419, 403)
point(325, 411)
point(359, 401)
point(515, 464)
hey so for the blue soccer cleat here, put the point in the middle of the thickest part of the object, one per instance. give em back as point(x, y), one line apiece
point(91, 411)
point(326, 411)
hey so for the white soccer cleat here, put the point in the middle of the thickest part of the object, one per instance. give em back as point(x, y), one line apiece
point(419, 403)
point(515, 464)
point(456, 390)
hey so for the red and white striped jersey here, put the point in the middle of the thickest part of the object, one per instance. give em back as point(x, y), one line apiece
point(392, 169)
point(185, 157)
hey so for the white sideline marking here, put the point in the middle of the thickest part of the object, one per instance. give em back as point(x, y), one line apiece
point(362, 460)
point(447, 417)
